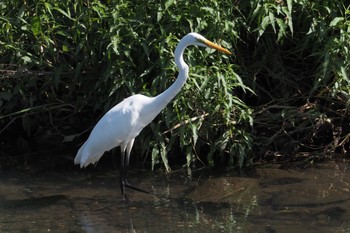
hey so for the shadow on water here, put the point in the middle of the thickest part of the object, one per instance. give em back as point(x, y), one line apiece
point(263, 200)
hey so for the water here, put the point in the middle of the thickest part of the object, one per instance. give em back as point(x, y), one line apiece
point(260, 200)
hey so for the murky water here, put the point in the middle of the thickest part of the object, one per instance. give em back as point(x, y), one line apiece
point(262, 200)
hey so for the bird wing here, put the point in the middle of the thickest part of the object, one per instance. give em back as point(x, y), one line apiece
point(119, 124)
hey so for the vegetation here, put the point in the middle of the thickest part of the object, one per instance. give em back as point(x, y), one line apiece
point(63, 64)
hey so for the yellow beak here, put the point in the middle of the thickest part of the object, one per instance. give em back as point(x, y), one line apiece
point(215, 46)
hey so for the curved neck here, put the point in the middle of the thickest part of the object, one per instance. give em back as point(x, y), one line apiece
point(165, 97)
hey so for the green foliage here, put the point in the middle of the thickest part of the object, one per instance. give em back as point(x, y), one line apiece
point(63, 64)
point(300, 71)
point(66, 63)
point(332, 34)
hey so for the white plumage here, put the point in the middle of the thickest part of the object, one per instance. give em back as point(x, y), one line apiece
point(119, 125)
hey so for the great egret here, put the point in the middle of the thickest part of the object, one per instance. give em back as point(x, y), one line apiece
point(121, 125)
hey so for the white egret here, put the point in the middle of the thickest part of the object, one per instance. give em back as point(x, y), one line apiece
point(123, 123)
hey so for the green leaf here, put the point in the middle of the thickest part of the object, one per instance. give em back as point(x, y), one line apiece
point(272, 21)
point(344, 74)
point(282, 28)
point(168, 3)
point(265, 22)
point(154, 156)
point(208, 9)
point(335, 21)
point(36, 26)
point(188, 157)
point(289, 18)
point(256, 11)
point(163, 154)
point(194, 133)
point(67, 14)
point(290, 5)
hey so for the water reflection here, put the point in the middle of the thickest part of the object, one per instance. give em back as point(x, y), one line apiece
point(263, 200)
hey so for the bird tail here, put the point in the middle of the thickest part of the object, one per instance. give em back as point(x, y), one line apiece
point(86, 156)
point(78, 157)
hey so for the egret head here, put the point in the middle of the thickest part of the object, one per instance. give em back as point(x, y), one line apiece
point(197, 39)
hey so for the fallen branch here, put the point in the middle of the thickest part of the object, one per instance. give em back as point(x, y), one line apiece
point(186, 122)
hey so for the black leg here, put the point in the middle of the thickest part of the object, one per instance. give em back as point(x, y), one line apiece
point(127, 184)
point(123, 174)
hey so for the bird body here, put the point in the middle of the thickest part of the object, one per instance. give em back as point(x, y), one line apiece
point(123, 123)
point(113, 128)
